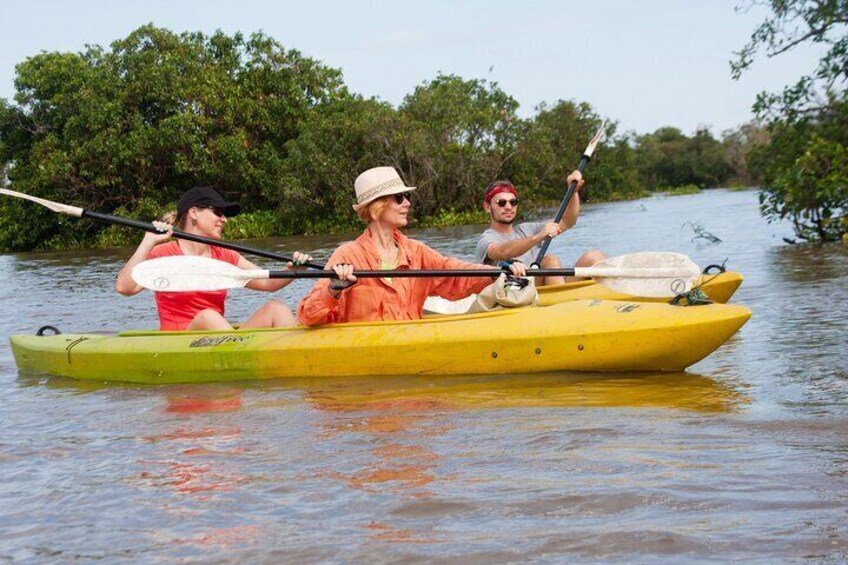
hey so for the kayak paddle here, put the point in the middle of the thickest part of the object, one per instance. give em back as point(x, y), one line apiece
point(587, 155)
point(147, 226)
point(650, 274)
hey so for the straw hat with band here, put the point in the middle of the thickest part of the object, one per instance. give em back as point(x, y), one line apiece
point(376, 183)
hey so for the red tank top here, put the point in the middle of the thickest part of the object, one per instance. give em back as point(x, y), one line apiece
point(178, 309)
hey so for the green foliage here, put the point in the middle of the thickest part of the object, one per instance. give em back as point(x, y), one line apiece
point(152, 116)
point(126, 129)
point(683, 190)
point(792, 23)
point(807, 180)
point(145, 209)
point(261, 223)
point(668, 158)
point(803, 164)
point(336, 141)
point(739, 144)
point(451, 217)
point(615, 167)
point(453, 136)
point(549, 148)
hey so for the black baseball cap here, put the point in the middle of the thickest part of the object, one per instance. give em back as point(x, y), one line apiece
point(206, 197)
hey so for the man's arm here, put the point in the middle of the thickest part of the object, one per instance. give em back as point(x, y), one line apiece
point(499, 251)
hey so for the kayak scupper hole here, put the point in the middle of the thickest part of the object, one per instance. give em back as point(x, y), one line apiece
point(494, 354)
point(538, 351)
point(579, 347)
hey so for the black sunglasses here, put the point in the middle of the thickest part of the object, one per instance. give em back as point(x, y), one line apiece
point(217, 211)
point(503, 202)
point(399, 198)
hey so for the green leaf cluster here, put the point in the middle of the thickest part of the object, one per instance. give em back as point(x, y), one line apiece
point(545, 154)
point(668, 158)
point(802, 163)
point(145, 120)
point(805, 167)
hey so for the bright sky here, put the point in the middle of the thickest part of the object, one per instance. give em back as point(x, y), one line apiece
point(646, 63)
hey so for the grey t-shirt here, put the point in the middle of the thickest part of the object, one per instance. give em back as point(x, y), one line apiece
point(519, 231)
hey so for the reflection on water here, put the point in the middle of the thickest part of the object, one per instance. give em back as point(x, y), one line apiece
point(743, 459)
point(188, 477)
point(203, 398)
point(394, 466)
point(682, 391)
point(810, 264)
point(685, 391)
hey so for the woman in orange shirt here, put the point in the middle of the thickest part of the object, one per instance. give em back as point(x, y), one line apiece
point(383, 204)
point(202, 211)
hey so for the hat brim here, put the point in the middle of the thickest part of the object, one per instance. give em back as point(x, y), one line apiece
point(387, 192)
point(231, 209)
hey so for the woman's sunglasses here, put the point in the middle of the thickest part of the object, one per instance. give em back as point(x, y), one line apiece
point(217, 211)
point(399, 198)
point(503, 202)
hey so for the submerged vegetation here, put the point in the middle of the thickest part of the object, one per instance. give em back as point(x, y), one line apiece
point(701, 233)
point(126, 129)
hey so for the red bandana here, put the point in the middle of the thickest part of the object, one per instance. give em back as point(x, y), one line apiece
point(499, 189)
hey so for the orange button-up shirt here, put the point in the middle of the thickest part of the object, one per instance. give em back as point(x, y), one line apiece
point(380, 299)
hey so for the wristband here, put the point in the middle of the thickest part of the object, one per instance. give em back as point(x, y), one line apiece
point(505, 264)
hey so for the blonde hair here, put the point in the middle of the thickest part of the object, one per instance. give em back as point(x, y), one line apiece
point(371, 212)
point(176, 220)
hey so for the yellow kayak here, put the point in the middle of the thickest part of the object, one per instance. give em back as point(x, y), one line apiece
point(577, 335)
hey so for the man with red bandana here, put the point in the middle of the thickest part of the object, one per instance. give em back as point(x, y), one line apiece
point(504, 240)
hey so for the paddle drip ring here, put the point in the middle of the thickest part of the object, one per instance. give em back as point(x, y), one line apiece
point(678, 286)
point(52, 329)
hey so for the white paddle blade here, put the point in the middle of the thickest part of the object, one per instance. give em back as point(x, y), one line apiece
point(652, 260)
point(658, 287)
point(186, 273)
point(55, 206)
point(645, 275)
point(649, 274)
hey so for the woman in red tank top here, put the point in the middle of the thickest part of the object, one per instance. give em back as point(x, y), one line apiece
point(202, 211)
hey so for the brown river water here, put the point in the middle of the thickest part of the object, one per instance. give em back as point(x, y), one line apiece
point(744, 457)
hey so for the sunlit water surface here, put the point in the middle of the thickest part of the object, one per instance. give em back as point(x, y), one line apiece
point(744, 457)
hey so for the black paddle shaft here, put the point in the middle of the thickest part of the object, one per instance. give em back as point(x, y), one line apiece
point(560, 213)
point(403, 273)
point(147, 226)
